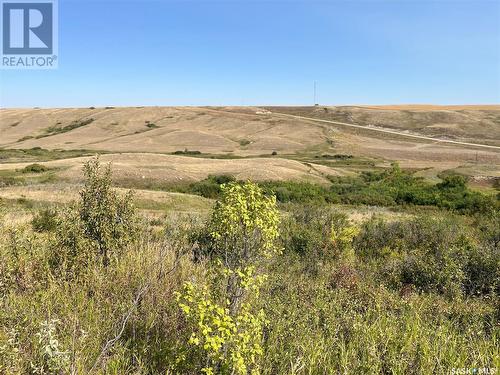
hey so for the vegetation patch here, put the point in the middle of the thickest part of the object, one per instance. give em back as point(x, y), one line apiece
point(35, 168)
point(93, 287)
point(387, 188)
point(336, 156)
point(25, 138)
point(39, 154)
point(56, 129)
point(45, 220)
point(186, 152)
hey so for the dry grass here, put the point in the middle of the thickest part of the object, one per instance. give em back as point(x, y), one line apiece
point(125, 129)
point(146, 199)
point(173, 169)
point(432, 107)
point(475, 124)
point(252, 131)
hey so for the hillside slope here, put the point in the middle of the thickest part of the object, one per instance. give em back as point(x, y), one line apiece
point(257, 132)
point(154, 129)
point(479, 124)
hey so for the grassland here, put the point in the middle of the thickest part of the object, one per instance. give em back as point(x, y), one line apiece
point(390, 258)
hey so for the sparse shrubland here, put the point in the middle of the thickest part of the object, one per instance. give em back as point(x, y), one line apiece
point(388, 188)
point(255, 287)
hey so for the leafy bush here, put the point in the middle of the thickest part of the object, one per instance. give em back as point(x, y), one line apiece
point(388, 188)
point(186, 152)
point(35, 168)
point(433, 255)
point(50, 358)
point(107, 219)
point(243, 226)
point(45, 221)
point(304, 192)
point(308, 231)
point(211, 186)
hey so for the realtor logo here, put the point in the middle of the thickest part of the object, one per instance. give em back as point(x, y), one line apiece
point(29, 34)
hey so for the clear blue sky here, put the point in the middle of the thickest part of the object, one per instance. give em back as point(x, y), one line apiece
point(267, 52)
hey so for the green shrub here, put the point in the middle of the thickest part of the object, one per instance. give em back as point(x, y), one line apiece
point(211, 186)
point(432, 254)
point(50, 358)
point(107, 219)
point(186, 152)
point(35, 168)
point(482, 272)
point(388, 188)
point(308, 231)
point(396, 187)
point(45, 221)
point(304, 192)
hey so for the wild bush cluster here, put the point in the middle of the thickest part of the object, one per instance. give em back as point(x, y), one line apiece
point(253, 288)
point(392, 187)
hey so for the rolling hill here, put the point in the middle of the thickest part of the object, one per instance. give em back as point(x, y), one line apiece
point(258, 142)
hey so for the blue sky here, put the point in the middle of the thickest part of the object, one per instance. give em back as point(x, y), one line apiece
point(267, 52)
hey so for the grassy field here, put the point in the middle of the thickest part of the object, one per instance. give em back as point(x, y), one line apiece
point(235, 241)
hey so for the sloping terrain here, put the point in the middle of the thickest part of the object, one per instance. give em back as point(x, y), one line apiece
point(145, 199)
point(480, 124)
point(154, 129)
point(158, 168)
point(223, 135)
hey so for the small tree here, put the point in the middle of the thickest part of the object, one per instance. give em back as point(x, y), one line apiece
point(241, 232)
point(107, 219)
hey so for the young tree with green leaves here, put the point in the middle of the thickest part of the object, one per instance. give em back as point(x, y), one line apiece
point(107, 218)
point(227, 326)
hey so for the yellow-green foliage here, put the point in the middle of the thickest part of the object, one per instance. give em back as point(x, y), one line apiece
point(232, 343)
point(342, 239)
point(226, 324)
point(244, 223)
point(344, 236)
